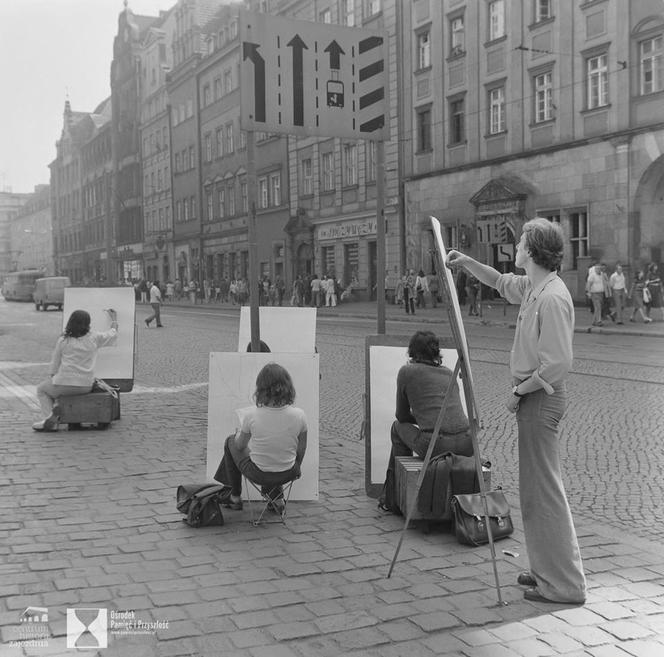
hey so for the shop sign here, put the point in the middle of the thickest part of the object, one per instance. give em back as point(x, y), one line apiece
point(341, 231)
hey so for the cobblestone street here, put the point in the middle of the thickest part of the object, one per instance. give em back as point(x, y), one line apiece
point(90, 519)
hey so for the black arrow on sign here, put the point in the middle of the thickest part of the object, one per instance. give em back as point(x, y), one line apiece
point(298, 46)
point(335, 51)
point(250, 51)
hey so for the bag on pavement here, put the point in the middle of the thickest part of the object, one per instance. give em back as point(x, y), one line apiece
point(201, 504)
point(470, 522)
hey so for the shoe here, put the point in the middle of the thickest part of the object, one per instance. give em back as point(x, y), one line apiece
point(618, 322)
point(647, 320)
point(631, 319)
point(233, 503)
point(147, 323)
point(49, 424)
point(160, 326)
point(526, 579)
point(277, 506)
point(535, 596)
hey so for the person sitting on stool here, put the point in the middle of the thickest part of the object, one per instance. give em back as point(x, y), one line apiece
point(72, 365)
point(269, 446)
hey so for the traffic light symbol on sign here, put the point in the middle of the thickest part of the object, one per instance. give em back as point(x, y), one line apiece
point(335, 93)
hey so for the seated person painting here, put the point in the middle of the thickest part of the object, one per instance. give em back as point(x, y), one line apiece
point(270, 443)
point(71, 371)
point(421, 387)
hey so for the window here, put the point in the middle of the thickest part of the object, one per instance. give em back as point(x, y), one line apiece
point(190, 108)
point(457, 36)
point(275, 188)
point(193, 207)
point(307, 180)
point(263, 198)
point(210, 206)
point(220, 142)
point(164, 137)
point(598, 92)
point(371, 7)
point(327, 171)
point(370, 155)
point(221, 199)
point(230, 143)
point(185, 209)
point(327, 253)
point(231, 200)
point(350, 164)
point(207, 95)
point(423, 50)
point(159, 180)
point(651, 65)
point(228, 81)
point(233, 29)
point(325, 16)
point(496, 19)
point(496, 110)
point(192, 158)
point(424, 130)
point(178, 211)
point(176, 164)
point(348, 12)
point(208, 147)
point(542, 10)
point(543, 97)
point(245, 197)
point(578, 225)
point(457, 121)
point(217, 88)
point(243, 140)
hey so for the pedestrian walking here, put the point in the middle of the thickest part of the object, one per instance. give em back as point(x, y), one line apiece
point(595, 291)
point(330, 292)
point(409, 291)
point(71, 371)
point(421, 288)
point(540, 361)
point(155, 302)
point(170, 290)
point(654, 285)
point(638, 293)
point(398, 292)
point(618, 287)
point(472, 288)
point(315, 291)
point(281, 289)
point(434, 289)
point(608, 297)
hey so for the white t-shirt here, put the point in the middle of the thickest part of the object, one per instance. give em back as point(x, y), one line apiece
point(274, 432)
point(74, 359)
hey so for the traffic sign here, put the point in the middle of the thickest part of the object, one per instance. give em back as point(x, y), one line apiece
point(505, 252)
point(317, 79)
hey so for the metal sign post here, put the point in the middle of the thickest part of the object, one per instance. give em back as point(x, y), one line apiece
point(380, 237)
point(253, 245)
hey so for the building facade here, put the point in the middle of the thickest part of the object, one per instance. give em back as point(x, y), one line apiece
point(30, 233)
point(545, 109)
point(10, 203)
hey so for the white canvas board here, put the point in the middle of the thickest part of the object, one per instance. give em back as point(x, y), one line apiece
point(439, 245)
point(231, 387)
point(384, 365)
point(113, 361)
point(282, 329)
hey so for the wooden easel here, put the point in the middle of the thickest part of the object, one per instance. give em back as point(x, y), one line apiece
point(463, 366)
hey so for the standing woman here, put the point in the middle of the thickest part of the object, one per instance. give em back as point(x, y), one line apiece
point(71, 371)
point(540, 361)
point(654, 283)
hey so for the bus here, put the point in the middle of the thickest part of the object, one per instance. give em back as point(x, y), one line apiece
point(19, 285)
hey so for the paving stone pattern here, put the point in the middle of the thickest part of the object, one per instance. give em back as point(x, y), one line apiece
point(89, 520)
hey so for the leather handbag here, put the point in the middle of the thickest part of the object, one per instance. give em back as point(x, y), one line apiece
point(201, 504)
point(470, 522)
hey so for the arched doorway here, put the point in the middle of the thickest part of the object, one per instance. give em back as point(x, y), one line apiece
point(304, 260)
point(646, 223)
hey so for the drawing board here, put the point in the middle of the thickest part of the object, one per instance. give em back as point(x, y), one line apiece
point(385, 355)
point(282, 329)
point(115, 363)
point(232, 383)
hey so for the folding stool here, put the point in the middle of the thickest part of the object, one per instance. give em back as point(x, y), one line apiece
point(266, 501)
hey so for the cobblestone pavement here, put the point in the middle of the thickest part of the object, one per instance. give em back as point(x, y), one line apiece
point(89, 521)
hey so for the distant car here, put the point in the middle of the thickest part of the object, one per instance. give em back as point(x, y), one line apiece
point(50, 291)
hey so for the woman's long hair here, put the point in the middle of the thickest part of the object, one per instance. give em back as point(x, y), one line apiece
point(274, 386)
point(78, 324)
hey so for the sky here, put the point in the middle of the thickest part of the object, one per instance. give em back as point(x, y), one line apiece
point(51, 50)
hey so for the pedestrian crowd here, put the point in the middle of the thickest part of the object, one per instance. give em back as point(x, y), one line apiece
point(608, 294)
